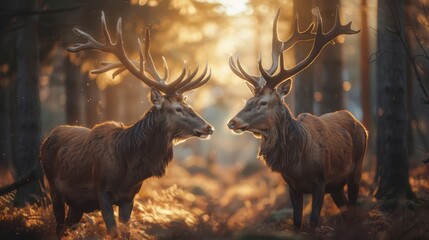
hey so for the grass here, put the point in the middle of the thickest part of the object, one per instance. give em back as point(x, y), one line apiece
point(249, 203)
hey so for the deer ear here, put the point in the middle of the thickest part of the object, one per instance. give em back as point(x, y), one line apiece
point(284, 88)
point(156, 98)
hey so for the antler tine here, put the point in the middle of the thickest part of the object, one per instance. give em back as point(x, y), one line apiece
point(254, 80)
point(297, 35)
point(148, 63)
point(141, 54)
point(277, 49)
point(272, 81)
point(190, 77)
point(91, 44)
point(107, 67)
point(320, 41)
point(150, 66)
point(118, 50)
point(194, 84)
point(104, 29)
point(110, 66)
point(338, 28)
point(202, 82)
point(203, 79)
point(166, 71)
point(119, 44)
point(276, 46)
point(138, 69)
point(234, 68)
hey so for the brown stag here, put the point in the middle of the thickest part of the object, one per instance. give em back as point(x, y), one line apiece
point(314, 154)
point(92, 169)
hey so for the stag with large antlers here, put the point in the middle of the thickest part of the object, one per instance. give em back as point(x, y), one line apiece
point(91, 169)
point(314, 154)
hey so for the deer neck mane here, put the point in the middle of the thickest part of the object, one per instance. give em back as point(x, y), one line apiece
point(283, 145)
point(147, 146)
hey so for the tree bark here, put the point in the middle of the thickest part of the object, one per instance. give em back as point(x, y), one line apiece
point(27, 109)
point(364, 68)
point(331, 63)
point(5, 124)
point(392, 164)
point(409, 76)
point(7, 77)
point(304, 80)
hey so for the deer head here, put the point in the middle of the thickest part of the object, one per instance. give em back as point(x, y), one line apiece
point(274, 83)
point(167, 97)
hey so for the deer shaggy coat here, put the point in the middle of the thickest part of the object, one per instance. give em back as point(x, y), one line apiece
point(312, 149)
point(77, 161)
point(91, 169)
point(314, 154)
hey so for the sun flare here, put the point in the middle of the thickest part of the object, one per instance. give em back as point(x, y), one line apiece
point(232, 8)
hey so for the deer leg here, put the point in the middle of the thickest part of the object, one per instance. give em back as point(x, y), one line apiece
point(353, 192)
point(125, 209)
point(107, 212)
point(339, 198)
point(353, 188)
point(316, 204)
point(58, 207)
point(73, 216)
point(296, 199)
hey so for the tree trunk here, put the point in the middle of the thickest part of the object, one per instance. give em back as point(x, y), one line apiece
point(392, 164)
point(409, 23)
point(7, 76)
point(73, 85)
point(5, 124)
point(364, 68)
point(331, 63)
point(304, 80)
point(27, 109)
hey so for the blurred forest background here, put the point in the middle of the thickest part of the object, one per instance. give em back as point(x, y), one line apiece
point(379, 75)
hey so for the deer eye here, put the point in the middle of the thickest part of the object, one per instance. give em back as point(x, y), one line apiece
point(179, 110)
point(263, 103)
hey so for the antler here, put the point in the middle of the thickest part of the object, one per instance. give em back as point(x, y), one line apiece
point(184, 82)
point(320, 41)
point(277, 48)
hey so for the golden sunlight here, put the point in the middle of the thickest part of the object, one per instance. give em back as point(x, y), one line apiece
point(231, 8)
point(211, 189)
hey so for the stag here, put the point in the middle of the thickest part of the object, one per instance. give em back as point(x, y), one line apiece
point(93, 169)
point(314, 154)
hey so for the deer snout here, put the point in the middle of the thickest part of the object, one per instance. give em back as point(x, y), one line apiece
point(237, 125)
point(210, 129)
point(204, 132)
point(231, 124)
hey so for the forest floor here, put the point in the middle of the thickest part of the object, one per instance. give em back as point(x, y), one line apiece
point(196, 201)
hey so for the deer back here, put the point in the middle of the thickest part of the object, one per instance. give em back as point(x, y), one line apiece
point(336, 142)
